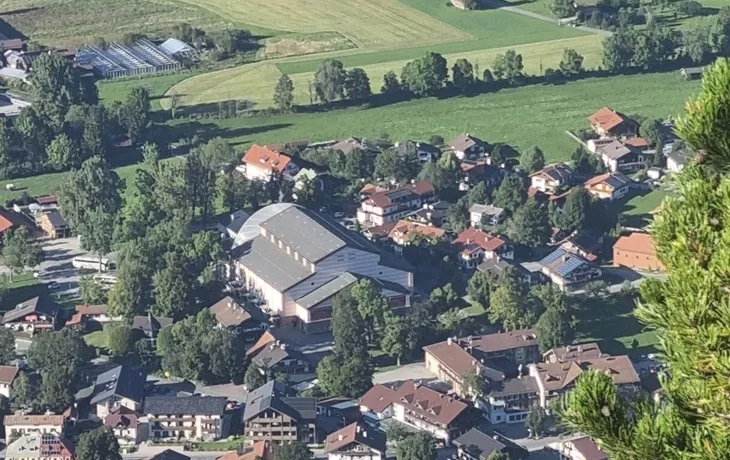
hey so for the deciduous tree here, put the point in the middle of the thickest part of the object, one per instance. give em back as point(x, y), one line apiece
point(425, 75)
point(7, 346)
point(508, 66)
point(530, 225)
point(329, 80)
point(98, 444)
point(571, 63)
point(19, 252)
point(532, 159)
point(418, 446)
point(462, 74)
point(254, 377)
point(284, 93)
point(357, 85)
point(512, 193)
point(294, 451)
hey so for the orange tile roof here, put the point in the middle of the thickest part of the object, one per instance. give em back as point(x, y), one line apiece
point(641, 243)
point(429, 404)
point(261, 449)
point(404, 228)
point(33, 420)
point(558, 376)
point(418, 189)
point(378, 398)
point(8, 374)
point(606, 118)
point(354, 433)
point(473, 239)
point(637, 142)
point(266, 159)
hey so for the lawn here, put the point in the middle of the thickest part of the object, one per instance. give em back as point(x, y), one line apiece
point(255, 83)
point(372, 24)
point(97, 339)
point(22, 288)
point(118, 90)
point(611, 322)
point(531, 115)
point(72, 22)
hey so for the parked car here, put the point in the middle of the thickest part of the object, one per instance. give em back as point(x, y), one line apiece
point(339, 215)
point(53, 285)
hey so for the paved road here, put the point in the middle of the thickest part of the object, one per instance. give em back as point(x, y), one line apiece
point(57, 264)
point(497, 4)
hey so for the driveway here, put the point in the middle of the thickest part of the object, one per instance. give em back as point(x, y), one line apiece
point(57, 265)
point(498, 4)
point(415, 371)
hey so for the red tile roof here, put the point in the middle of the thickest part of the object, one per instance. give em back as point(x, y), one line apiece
point(8, 374)
point(638, 142)
point(266, 159)
point(588, 449)
point(641, 243)
point(33, 420)
point(559, 376)
point(86, 310)
point(354, 433)
point(261, 449)
point(473, 239)
point(606, 119)
point(428, 403)
point(378, 398)
point(383, 198)
point(47, 199)
point(404, 228)
point(124, 420)
point(452, 356)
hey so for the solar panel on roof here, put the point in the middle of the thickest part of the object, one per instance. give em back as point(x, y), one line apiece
point(570, 265)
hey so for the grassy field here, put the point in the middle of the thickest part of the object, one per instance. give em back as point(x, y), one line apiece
point(71, 22)
point(372, 24)
point(118, 90)
point(532, 115)
point(255, 83)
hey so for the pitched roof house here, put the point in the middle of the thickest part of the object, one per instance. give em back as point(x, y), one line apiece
point(299, 260)
point(618, 157)
point(445, 417)
point(475, 245)
point(609, 186)
point(150, 325)
point(38, 313)
point(467, 146)
point(486, 215)
point(579, 449)
point(122, 386)
point(405, 230)
point(125, 428)
point(636, 250)
point(578, 352)
point(355, 441)
point(20, 425)
point(7, 377)
point(346, 146)
point(169, 454)
point(261, 450)
point(608, 122)
point(86, 313)
point(188, 417)
point(567, 269)
point(241, 319)
point(381, 207)
point(552, 178)
point(554, 379)
point(260, 163)
point(37, 446)
point(268, 407)
point(479, 443)
point(280, 358)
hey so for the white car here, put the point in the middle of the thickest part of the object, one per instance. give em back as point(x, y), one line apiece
point(339, 215)
point(52, 286)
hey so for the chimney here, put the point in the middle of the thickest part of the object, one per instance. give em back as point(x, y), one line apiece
point(364, 434)
point(357, 429)
point(339, 438)
point(448, 341)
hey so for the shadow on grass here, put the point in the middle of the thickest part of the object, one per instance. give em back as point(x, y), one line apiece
point(20, 291)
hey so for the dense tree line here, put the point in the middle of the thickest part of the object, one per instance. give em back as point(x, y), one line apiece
point(66, 124)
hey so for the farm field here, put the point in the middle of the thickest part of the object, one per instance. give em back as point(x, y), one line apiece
point(255, 83)
point(531, 115)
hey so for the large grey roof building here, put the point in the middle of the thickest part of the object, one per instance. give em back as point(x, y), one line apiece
point(298, 260)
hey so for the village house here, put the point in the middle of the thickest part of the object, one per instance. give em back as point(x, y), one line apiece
point(498, 265)
point(420, 407)
point(339, 412)
point(36, 446)
point(386, 206)
point(424, 152)
point(279, 358)
point(554, 379)
point(7, 377)
point(475, 245)
point(480, 443)
point(486, 215)
point(36, 314)
point(20, 425)
point(355, 441)
point(467, 147)
point(476, 171)
point(86, 315)
point(587, 244)
point(260, 163)
point(272, 416)
point(431, 214)
point(261, 450)
point(567, 269)
point(168, 454)
point(189, 417)
point(578, 449)
point(677, 159)
point(117, 388)
point(53, 224)
point(241, 320)
point(404, 232)
point(608, 122)
point(609, 186)
point(552, 178)
point(636, 250)
point(347, 146)
point(298, 260)
point(617, 156)
point(231, 224)
point(126, 428)
point(150, 325)
point(578, 352)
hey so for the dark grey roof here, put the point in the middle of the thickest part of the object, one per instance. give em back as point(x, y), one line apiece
point(618, 180)
point(403, 147)
point(271, 264)
point(305, 407)
point(485, 443)
point(42, 305)
point(558, 171)
point(56, 219)
point(193, 405)
point(327, 290)
point(169, 454)
point(150, 323)
point(123, 381)
point(385, 284)
point(267, 396)
point(570, 262)
point(514, 386)
point(272, 355)
point(614, 150)
point(304, 232)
